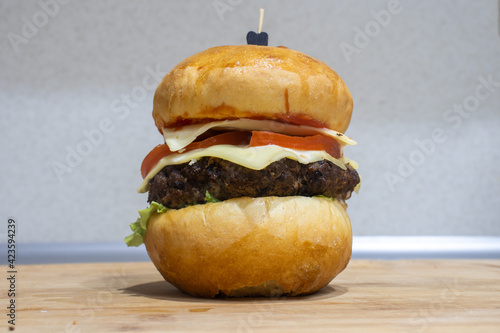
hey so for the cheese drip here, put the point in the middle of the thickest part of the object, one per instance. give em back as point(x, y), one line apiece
point(177, 139)
point(256, 158)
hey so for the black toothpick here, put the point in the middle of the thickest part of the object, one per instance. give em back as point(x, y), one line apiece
point(259, 37)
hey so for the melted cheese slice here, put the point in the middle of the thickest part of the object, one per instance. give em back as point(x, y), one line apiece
point(256, 158)
point(177, 139)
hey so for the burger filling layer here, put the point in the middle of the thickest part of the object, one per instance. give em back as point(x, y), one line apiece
point(177, 186)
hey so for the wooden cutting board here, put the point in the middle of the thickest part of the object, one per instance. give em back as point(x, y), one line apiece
point(369, 296)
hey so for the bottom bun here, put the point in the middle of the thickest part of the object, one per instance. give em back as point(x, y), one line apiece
point(266, 246)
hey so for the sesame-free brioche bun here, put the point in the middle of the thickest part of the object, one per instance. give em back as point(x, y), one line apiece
point(252, 81)
point(264, 246)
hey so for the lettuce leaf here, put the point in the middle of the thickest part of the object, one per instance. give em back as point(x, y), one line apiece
point(209, 198)
point(139, 226)
point(324, 197)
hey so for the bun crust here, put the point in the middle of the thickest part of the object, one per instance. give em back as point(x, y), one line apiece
point(265, 246)
point(251, 81)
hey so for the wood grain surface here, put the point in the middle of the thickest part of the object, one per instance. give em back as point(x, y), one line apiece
point(369, 296)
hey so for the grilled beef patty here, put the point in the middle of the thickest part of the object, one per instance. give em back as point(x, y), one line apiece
point(177, 186)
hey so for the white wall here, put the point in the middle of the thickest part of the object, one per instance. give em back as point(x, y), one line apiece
point(77, 68)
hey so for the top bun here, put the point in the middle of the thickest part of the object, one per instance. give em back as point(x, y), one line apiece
point(252, 81)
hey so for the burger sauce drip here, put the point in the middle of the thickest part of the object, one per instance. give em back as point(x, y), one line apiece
point(287, 103)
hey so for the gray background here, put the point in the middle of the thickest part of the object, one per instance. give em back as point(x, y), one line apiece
point(85, 60)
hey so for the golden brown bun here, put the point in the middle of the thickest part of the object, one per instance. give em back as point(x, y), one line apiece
point(250, 81)
point(251, 246)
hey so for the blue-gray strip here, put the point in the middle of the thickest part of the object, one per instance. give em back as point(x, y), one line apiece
point(426, 247)
point(364, 247)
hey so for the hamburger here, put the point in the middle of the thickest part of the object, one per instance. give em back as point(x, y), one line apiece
point(247, 192)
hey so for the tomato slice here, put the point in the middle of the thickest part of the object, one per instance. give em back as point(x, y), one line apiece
point(234, 138)
point(153, 157)
point(252, 139)
point(313, 142)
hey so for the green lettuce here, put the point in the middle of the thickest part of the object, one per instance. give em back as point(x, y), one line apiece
point(324, 197)
point(139, 226)
point(210, 199)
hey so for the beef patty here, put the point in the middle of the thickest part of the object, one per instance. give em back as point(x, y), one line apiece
point(177, 186)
